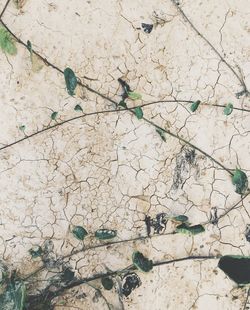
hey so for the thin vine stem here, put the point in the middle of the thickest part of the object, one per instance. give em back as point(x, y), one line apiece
point(240, 79)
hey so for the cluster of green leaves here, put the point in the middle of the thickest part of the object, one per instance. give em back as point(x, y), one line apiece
point(7, 42)
point(13, 291)
point(101, 234)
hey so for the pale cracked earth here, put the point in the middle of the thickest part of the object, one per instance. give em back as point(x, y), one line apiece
point(110, 170)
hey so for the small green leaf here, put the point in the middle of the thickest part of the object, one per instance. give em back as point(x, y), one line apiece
point(36, 251)
point(53, 115)
point(141, 262)
point(134, 96)
point(237, 268)
point(13, 298)
point(29, 46)
point(161, 133)
point(195, 105)
point(228, 109)
point(123, 104)
point(190, 230)
point(22, 127)
point(70, 80)
point(78, 108)
point(139, 112)
point(7, 42)
point(103, 234)
point(180, 218)
point(239, 179)
point(107, 283)
point(79, 232)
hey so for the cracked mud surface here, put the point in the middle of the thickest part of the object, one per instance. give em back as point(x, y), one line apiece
point(110, 170)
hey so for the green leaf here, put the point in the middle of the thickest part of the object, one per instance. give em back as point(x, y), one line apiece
point(239, 179)
point(180, 218)
point(237, 268)
point(29, 46)
point(7, 42)
point(134, 96)
point(228, 109)
point(22, 127)
point(190, 230)
point(161, 133)
point(13, 298)
point(141, 262)
point(78, 108)
point(79, 232)
point(70, 80)
point(36, 251)
point(123, 104)
point(139, 112)
point(103, 234)
point(195, 105)
point(53, 115)
point(107, 283)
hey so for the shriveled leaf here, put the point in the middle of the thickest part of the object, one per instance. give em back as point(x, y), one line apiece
point(190, 230)
point(78, 108)
point(70, 80)
point(180, 218)
point(130, 282)
point(36, 61)
point(79, 232)
point(194, 105)
point(104, 234)
point(7, 42)
point(161, 133)
point(20, 3)
point(228, 109)
point(139, 112)
point(134, 96)
point(22, 127)
point(36, 251)
point(237, 268)
point(13, 298)
point(107, 283)
point(53, 115)
point(239, 179)
point(141, 262)
point(147, 27)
